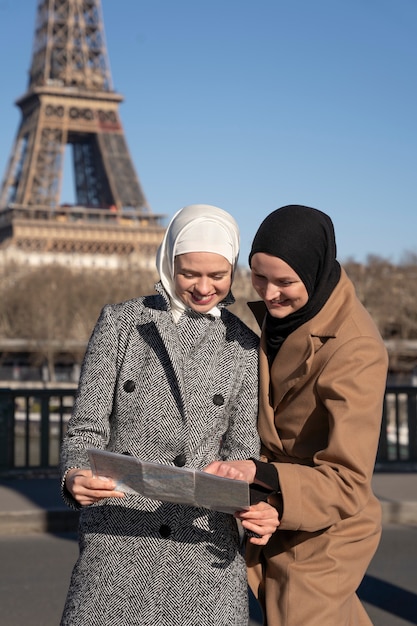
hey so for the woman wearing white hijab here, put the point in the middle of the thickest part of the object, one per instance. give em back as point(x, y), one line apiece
point(170, 378)
point(195, 229)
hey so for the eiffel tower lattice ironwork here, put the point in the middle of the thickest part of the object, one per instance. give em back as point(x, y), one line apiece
point(70, 101)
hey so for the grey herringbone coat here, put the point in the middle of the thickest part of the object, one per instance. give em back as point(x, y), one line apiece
point(174, 394)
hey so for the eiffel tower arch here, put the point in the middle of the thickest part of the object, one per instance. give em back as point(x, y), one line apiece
point(70, 102)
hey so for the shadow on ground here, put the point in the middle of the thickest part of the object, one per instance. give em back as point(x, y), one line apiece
point(390, 598)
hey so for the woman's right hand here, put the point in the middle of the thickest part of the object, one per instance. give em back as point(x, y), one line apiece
point(261, 519)
point(87, 489)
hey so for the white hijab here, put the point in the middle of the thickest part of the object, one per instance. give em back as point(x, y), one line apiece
point(196, 228)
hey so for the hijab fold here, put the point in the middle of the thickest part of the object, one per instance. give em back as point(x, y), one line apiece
point(196, 228)
point(304, 238)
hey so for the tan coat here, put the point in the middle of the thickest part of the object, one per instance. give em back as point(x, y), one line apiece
point(319, 422)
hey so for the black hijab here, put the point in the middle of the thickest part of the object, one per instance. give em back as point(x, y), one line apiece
point(304, 238)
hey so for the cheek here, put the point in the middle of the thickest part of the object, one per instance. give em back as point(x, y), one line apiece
point(256, 285)
point(227, 285)
point(179, 284)
point(303, 297)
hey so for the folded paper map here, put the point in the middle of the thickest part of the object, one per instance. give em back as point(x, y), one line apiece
point(182, 485)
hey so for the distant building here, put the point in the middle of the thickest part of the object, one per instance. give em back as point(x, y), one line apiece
point(70, 102)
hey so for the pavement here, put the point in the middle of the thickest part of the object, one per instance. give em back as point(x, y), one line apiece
point(34, 504)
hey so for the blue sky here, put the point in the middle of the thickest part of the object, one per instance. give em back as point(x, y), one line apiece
point(253, 104)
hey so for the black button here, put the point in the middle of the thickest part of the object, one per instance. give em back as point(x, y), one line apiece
point(179, 460)
point(129, 386)
point(165, 531)
point(218, 399)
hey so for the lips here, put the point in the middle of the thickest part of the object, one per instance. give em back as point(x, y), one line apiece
point(278, 303)
point(201, 299)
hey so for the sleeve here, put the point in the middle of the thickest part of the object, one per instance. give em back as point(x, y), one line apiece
point(267, 474)
point(89, 425)
point(351, 389)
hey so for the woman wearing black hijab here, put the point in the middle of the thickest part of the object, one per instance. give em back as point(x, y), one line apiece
point(323, 369)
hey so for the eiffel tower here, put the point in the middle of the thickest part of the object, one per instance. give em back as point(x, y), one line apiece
point(70, 102)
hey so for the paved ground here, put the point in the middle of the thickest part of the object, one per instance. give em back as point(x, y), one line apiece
point(36, 567)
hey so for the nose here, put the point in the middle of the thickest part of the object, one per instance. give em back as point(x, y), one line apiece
point(272, 292)
point(203, 285)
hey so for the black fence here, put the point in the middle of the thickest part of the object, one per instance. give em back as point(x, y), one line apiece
point(398, 441)
point(33, 423)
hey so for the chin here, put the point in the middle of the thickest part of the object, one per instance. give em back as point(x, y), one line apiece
point(279, 314)
point(200, 309)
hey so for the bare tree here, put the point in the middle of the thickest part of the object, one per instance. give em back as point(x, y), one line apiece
point(55, 308)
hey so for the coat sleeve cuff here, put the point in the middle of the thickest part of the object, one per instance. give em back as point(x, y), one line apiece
point(268, 474)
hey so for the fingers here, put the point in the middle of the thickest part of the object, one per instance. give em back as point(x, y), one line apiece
point(261, 519)
point(213, 468)
point(224, 469)
point(87, 489)
point(236, 470)
point(259, 534)
point(262, 514)
point(260, 541)
point(227, 470)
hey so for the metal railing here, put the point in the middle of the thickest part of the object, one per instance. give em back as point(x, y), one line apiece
point(398, 440)
point(33, 423)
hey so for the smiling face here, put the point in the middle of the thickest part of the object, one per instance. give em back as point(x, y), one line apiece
point(278, 285)
point(202, 279)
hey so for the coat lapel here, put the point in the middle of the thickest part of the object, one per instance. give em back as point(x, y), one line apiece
point(295, 358)
point(162, 322)
point(292, 363)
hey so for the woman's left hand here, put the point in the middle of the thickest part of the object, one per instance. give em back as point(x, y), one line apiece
point(238, 470)
point(262, 519)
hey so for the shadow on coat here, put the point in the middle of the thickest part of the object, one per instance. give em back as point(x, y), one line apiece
point(165, 521)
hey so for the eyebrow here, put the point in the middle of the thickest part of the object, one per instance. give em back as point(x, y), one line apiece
point(190, 271)
point(281, 278)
